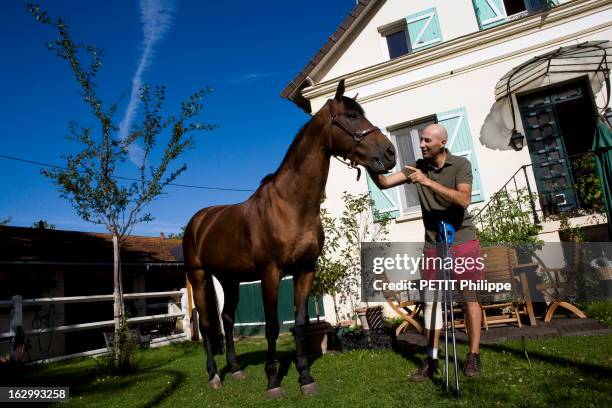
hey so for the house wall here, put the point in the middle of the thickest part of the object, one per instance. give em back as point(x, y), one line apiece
point(457, 18)
point(460, 77)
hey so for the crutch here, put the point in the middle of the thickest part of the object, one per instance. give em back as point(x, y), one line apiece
point(446, 234)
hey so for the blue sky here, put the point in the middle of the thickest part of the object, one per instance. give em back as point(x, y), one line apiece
point(246, 51)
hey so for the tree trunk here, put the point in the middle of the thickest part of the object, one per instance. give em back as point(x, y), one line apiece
point(336, 310)
point(118, 295)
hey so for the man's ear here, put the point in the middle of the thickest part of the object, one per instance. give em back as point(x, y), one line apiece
point(339, 91)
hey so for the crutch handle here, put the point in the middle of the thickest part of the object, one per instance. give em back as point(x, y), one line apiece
point(446, 232)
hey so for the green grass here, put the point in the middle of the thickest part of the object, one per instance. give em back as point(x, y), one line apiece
point(600, 310)
point(561, 372)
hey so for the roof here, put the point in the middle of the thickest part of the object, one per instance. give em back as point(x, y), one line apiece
point(50, 245)
point(292, 90)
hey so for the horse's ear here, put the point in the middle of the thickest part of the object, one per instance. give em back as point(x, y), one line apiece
point(339, 91)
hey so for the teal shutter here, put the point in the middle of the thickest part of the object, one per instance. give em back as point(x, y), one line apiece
point(489, 13)
point(460, 143)
point(424, 29)
point(385, 201)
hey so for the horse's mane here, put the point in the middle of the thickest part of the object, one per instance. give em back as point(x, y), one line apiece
point(349, 103)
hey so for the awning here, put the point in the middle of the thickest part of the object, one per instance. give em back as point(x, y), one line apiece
point(592, 57)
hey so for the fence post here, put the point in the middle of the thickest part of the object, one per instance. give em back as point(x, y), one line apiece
point(186, 312)
point(16, 326)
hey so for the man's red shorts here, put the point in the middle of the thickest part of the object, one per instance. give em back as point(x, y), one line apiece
point(467, 262)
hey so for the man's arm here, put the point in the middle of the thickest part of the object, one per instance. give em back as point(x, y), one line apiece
point(392, 180)
point(462, 196)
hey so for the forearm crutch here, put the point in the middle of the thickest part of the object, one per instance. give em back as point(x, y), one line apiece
point(446, 234)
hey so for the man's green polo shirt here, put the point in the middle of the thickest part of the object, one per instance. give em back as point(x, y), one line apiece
point(456, 170)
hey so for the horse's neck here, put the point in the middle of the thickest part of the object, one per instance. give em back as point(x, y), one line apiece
point(301, 179)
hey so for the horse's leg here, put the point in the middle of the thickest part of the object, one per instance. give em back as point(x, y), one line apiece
point(198, 283)
point(231, 296)
point(301, 289)
point(269, 291)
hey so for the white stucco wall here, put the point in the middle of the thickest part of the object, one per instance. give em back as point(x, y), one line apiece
point(365, 46)
point(470, 88)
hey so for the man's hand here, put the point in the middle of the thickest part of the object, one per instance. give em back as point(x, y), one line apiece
point(416, 176)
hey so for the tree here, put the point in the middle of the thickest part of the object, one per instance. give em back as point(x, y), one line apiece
point(339, 265)
point(43, 224)
point(89, 181)
point(5, 221)
point(178, 235)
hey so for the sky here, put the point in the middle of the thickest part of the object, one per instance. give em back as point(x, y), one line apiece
point(247, 52)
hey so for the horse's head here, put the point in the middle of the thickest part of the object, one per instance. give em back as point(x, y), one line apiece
point(353, 137)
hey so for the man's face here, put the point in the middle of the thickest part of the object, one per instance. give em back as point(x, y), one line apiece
point(432, 143)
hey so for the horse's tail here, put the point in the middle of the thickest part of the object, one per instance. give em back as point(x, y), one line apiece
point(215, 335)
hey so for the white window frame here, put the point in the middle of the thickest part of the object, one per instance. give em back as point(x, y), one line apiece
point(391, 132)
point(392, 28)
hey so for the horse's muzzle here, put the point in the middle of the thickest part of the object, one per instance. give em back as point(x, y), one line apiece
point(383, 161)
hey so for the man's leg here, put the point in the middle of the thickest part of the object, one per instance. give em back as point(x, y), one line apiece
point(473, 313)
point(474, 322)
point(433, 324)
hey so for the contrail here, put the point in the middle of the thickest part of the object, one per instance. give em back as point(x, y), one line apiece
point(156, 17)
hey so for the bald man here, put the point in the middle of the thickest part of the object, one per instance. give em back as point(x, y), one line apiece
point(444, 186)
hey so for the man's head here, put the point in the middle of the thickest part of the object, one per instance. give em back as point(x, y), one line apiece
point(433, 141)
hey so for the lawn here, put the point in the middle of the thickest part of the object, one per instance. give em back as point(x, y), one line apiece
point(565, 371)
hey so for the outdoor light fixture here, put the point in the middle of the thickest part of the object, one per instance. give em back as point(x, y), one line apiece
point(608, 116)
point(516, 140)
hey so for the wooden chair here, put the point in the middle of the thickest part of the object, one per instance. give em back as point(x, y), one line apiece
point(404, 307)
point(407, 310)
point(562, 284)
point(501, 266)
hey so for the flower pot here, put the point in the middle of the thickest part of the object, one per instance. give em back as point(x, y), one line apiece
point(604, 273)
point(315, 341)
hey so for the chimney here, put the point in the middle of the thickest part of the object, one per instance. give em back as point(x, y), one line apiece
point(162, 236)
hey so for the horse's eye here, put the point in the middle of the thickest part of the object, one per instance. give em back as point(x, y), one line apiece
point(351, 115)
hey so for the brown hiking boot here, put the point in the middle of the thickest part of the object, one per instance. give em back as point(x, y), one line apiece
point(427, 370)
point(471, 367)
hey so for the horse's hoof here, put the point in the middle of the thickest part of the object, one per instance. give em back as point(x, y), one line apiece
point(275, 393)
point(238, 375)
point(215, 383)
point(310, 390)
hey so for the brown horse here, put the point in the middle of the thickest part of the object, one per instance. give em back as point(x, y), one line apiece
point(276, 232)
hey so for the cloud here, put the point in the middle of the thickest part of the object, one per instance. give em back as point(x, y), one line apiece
point(156, 17)
point(250, 77)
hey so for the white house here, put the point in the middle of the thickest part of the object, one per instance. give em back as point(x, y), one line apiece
point(417, 62)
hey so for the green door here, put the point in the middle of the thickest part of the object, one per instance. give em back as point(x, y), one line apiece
point(250, 316)
point(551, 166)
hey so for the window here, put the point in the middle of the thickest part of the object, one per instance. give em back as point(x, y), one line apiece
point(397, 44)
point(413, 33)
point(406, 136)
point(493, 12)
point(407, 141)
